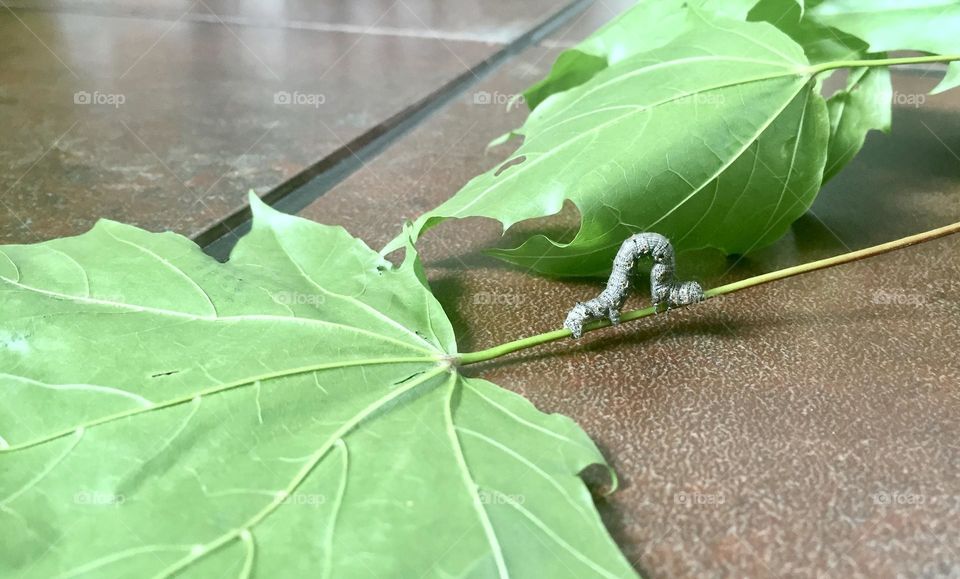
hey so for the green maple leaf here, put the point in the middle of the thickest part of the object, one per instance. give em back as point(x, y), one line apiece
point(613, 185)
point(863, 105)
point(646, 26)
point(927, 25)
point(716, 139)
point(293, 412)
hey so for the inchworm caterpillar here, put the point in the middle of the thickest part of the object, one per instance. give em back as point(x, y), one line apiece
point(663, 285)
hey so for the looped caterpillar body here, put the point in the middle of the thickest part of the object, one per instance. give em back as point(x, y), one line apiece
point(663, 285)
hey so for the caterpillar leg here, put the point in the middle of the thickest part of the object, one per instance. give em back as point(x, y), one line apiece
point(684, 294)
point(614, 315)
point(661, 282)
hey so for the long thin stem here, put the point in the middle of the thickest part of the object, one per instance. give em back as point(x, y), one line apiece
point(823, 67)
point(530, 342)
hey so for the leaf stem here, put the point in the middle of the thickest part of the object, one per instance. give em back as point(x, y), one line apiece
point(540, 339)
point(825, 66)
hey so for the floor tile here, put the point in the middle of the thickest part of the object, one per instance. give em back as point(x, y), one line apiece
point(168, 124)
point(484, 20)
point(587, 22)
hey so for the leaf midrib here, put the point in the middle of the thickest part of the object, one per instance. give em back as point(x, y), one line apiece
point(667, 64)
point(471, 486)
point(193, 317)
point(548, 154)
point(213, 390)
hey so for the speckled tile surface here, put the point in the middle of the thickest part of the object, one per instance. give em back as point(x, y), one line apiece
point(584, 24)
point(804, 428)
point(487, 20)
point(167, 123)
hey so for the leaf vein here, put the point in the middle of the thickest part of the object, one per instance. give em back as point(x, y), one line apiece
point(78, 434)
point(555, 537)
point(169, 265)
point(144, 402)
point(351, 299)
point(338, 503)
point(510, 452)
point(211, 391)
point(304, 472)
point(471, 485)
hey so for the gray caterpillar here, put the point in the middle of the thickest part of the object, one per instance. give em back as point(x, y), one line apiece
point(663, 285)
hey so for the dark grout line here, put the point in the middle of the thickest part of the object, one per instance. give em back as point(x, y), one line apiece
point(300, 191)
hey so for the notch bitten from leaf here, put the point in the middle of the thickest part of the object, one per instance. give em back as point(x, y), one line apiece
point(512, 162)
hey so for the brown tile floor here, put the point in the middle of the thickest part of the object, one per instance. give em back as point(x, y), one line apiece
point(187, 115)
point(758, 436)
point(585, 23)
point(483, 20)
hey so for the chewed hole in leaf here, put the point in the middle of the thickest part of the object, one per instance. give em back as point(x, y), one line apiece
point(510, 163)
point(600, 479)
point(561, 227)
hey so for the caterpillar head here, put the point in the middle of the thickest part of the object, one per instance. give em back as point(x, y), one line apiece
point(575, 319)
